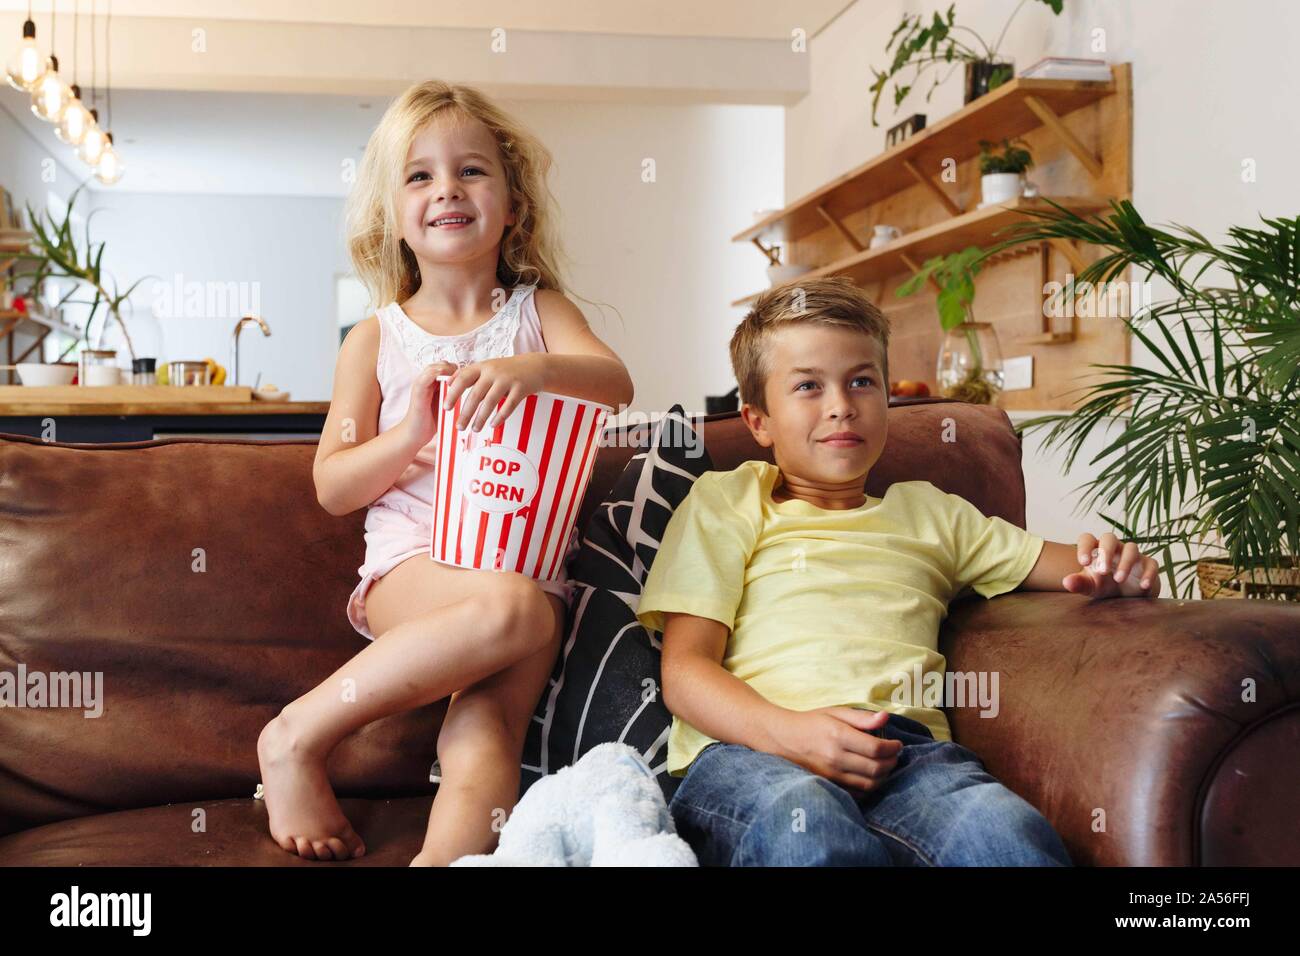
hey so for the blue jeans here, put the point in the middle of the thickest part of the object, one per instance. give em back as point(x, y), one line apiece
point(937, 807)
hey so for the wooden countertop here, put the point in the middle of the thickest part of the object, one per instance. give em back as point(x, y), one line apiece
point(116, 400)
point(197, 409)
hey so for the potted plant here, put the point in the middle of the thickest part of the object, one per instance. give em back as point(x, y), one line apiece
point(969, 367)
point(1002, 170)
point(55, 255)
point(923, 47)
point(1207, 459)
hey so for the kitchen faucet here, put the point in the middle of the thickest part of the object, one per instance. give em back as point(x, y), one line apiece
point(234, 344)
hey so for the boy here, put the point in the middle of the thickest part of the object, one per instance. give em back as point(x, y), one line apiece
point(794, 609)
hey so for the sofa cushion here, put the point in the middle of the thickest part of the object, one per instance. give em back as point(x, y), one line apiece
point(224, 833)
point(605, 686)
point(207, 586)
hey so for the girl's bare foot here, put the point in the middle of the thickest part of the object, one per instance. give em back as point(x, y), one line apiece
point(304, 814)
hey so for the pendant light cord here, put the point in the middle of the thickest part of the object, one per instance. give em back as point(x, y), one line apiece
point(94, 94)
point(108, 61)
point(74, 42)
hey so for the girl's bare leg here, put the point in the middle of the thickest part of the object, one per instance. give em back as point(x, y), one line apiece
point(429, 647)
point(479, 748)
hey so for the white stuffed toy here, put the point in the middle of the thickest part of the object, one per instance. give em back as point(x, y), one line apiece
point(605, 810)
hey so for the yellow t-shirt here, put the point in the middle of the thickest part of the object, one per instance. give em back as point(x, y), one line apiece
point(826, 608)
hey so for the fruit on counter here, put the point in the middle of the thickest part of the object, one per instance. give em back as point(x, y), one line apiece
point(216, 372)
point(269, 388)
point(908, 388)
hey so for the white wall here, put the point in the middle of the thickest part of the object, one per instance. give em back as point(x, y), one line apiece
point(1213, 84)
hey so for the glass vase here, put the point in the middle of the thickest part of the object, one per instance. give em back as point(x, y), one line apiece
point(970, 364)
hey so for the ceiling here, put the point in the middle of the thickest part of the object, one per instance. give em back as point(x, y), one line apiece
point(748, 19)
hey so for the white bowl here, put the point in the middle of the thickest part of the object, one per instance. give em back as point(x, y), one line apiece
point(779, 275)
point(39, 373)
point(265, 396)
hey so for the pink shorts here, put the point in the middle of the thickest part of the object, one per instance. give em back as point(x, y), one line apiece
point(391, 538)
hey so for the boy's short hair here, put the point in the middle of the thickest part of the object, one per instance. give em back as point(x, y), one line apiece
point(830, 301)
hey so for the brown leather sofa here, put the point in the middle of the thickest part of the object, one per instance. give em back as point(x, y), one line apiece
point(1125, 722)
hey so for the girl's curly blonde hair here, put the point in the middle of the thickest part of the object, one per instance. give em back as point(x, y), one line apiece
point(384, 262)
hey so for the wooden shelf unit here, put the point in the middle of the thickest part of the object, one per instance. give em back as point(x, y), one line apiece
point(11, 319)
point(978, 227)
point(1004, 113)
point(1080, 134)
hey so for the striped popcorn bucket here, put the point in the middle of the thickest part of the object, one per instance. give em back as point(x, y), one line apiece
point(507, 498)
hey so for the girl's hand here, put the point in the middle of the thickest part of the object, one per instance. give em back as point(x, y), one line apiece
point(1113, 569)
point(484, 384)
point(421, 419)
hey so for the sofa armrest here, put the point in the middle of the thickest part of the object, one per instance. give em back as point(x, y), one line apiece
point(1119, 720)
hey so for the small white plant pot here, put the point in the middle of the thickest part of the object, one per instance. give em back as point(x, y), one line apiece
point(1000, 187)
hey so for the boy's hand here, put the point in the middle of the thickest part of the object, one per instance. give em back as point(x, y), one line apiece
point(1113, 569)
point(484, 384)
point(833, 742)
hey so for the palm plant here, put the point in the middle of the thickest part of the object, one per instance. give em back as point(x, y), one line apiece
point(56, 256)
point(1208, 458)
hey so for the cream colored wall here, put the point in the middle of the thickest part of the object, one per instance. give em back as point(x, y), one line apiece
point(1213, 86)
point(658, 251)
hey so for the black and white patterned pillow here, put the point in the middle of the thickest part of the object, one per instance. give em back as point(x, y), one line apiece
point(605, 686)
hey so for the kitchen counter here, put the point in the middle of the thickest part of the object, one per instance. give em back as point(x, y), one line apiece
point(93, 416)
point(164, 408)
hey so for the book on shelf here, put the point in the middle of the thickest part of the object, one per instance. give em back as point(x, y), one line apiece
point(1068, 68)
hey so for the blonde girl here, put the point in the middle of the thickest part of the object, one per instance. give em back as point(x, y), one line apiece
point(450, 226)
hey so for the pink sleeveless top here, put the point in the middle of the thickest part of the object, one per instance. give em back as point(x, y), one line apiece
point(405, 348)
point(399, 522)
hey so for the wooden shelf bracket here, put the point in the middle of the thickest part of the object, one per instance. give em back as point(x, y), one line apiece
point(841, 229)
point(911, 264)
point(1053, 122)
point(772, 257)
point(1071, 253)
point(934, 187)
point(33, 347)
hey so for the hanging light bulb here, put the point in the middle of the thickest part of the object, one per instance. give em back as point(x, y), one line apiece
point(76, 120)
point(108, 166)
point(26, 67)
point(109, 169)
point(51, 96)
point(92, 144)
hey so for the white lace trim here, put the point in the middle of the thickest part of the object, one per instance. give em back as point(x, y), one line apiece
point(493, 339)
